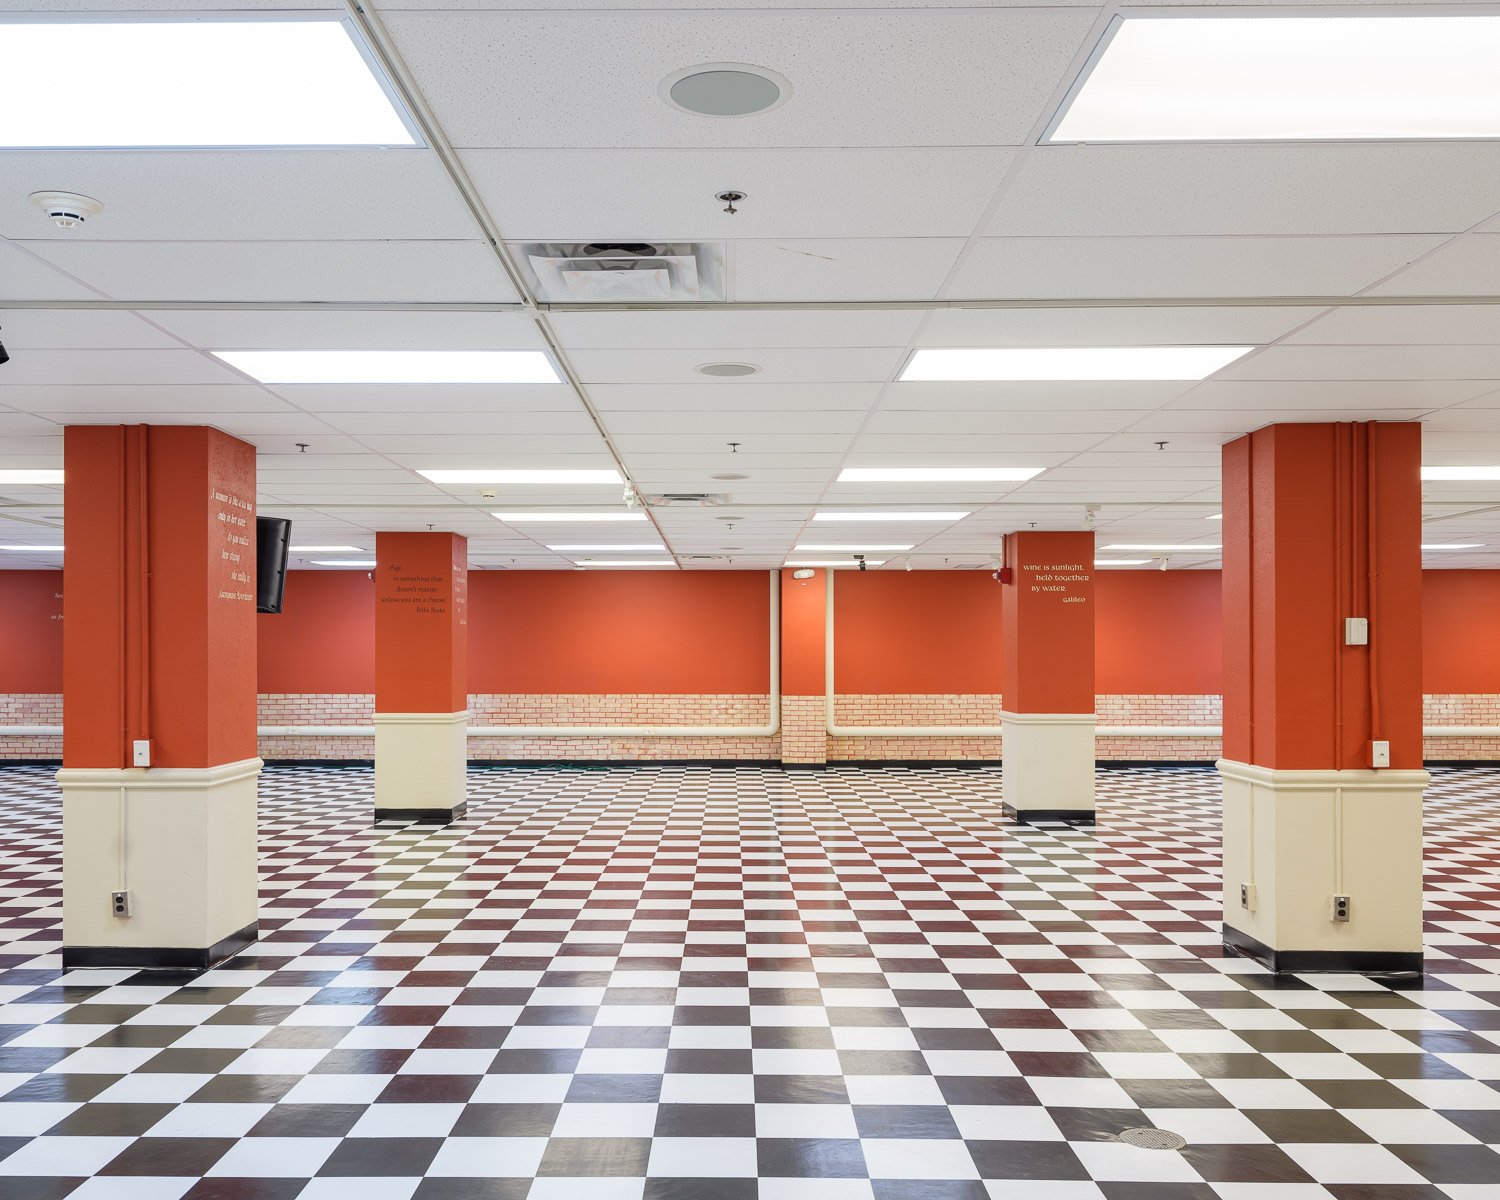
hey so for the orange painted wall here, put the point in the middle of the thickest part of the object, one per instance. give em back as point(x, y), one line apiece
point(31, 631)
point(619, 631)
point(1157, 633)
point(922, 631)
point(916, 631)
point(1461, 631)
point(323, 640)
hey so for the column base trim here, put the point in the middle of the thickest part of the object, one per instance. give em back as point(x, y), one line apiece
point(1342, 962)
point(162, 958)
point(422, 816)
point(1030, 816)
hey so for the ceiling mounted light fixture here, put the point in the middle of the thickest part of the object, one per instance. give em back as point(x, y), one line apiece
point(852, 548)
point(527, 475)
point(726, 370)
point(1452, 545)
point(392, 366)
point(34, 549)
point(1121, 562)
point(29, 475)
point(327, 550)
point(1349, 77)
point(1067, 363)
point(625, 562)
point(523, 518)
point(1173, 547)
point(843, 562)
point(1460, 474)
point(935, 516)
point(211, 81)
point(724, 90)
point(343, 562)
point(588, 547)
point(938, 474)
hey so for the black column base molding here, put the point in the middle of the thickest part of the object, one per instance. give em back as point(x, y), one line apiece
point(422, 816)
point(161, 958)
point(1070, 816)
point(1347, 962)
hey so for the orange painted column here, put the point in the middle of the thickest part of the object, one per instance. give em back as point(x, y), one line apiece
point(159, 696)
point(421, 676)
point(1322, 762)
point(804, 718)
point(1047, 675)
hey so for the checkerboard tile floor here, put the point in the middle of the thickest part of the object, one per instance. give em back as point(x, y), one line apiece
point(715, 984)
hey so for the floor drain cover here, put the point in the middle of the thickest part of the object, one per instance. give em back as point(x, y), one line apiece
point(1153, 1139)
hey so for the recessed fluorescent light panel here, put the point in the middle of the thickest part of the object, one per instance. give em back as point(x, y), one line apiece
point(84, 81)
point(852, 548)
point(35, 549)
point(1068, 363)
point(24, 475)
point(343, 562)
point(655, 547)
point(1161, 546)
point(1435, 546)
point(1214, 517)
point(392, 366)
point(1350, 77)
point(1432, 474)
point(325, 549)
point(843, 562)
point(1121, 562)
point(938, 474)
point(626, 562)
point(524, 518)
point(571, 475)
point(943, 517)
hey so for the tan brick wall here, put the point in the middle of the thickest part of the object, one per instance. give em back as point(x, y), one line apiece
point(30, 708)
point(802, 726)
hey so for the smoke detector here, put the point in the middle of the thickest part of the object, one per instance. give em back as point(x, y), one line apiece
point(67, 210)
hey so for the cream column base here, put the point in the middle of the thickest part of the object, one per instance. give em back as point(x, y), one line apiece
point(1299, 837)
point(181, 842)
point(421, 766)
point(1047, 766)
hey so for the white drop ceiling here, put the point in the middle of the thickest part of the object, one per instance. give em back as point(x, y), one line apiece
point(904, 167)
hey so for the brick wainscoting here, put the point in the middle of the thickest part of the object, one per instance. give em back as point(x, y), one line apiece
point(801, 739)
point(23, 708)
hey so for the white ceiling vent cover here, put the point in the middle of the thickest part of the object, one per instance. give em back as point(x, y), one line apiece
point(626, 272)
point(687, 499)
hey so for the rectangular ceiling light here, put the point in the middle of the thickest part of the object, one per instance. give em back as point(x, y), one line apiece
point(1298, 78)
point(855, 548)
point(843, 562)
point(525, 475)
point(392, 366)
point(1159, 546)
point(325, 549)
point(1425, 546)
point(343, 562)
point(1069, 363)
point(524, 518)
point(938, 474)
point(35, 549)
point(944, 517)
point(626, 562)
point(655, 547)
point(29, 475)
point(1433, 474)
point(1121, 562)
point(1214, 517)
point(86, 81)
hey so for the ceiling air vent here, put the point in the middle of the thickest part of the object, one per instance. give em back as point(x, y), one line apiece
point(626, 272)
point(687, 499)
